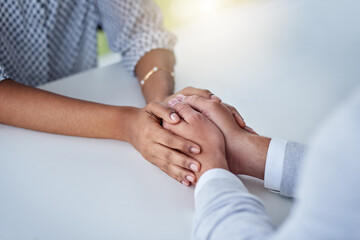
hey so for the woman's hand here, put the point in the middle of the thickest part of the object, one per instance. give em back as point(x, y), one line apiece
point(197, 127)
point(161, 147)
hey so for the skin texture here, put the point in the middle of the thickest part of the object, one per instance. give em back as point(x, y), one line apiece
point(245, 151)
point(195, 126)
point(39, 110)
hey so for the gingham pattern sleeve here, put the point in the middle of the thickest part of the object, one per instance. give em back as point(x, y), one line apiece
point(3, 74)
point(133, 28)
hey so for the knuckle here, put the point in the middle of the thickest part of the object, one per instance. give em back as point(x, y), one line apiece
point(193, 98)
point(184, 146)
point(206, 92)
point(195, 117)
point(214, 105)
point(184, 163)
point(180, 107)
point(188, 88)
point(168, 155)
point(165, 167)
point(169, 141)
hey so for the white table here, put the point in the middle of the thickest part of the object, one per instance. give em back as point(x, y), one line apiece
point(60, 187)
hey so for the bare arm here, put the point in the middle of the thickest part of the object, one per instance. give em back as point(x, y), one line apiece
point(39, 110)
point(35, 109)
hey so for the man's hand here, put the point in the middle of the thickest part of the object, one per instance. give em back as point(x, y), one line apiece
point(246, 152)
point(196, 127)
point(190, 91)
point(161, 147)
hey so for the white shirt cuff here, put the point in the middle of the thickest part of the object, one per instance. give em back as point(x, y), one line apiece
point(211, 174)
point(274, 164)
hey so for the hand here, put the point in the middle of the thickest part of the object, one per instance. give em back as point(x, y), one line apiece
point(245, 151)
point(197, 127)
point(161, 147)
point(189, 91)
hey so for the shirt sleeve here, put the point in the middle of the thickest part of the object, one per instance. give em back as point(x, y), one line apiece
point(133, 28)
point(3, 74)
point(224, 208)
point(283, 165)
point(274, 164)
point(292, 167)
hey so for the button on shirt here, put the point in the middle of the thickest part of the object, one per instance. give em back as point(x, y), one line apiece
point(44, 40)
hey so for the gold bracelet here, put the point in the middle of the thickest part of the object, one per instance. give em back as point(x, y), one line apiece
point(154, 70)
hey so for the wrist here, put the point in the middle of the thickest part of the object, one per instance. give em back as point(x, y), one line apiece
point(125, 121)
point(249, 155)
point(215, 161)
point(260, 146)
point(158, 87)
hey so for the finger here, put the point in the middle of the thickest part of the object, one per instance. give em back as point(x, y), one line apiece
point(169, 170)
point(188, 91)
point(181, 97)
point(176, 158)
point(179, 129)
point(160, 110)
point(250, 130)
point(238, 118)
point(182, 175)
point(173, 141)
point(198, 103)
point(184, 110)
point(213, 97)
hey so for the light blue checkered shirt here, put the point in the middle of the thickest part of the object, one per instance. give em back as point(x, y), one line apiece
point(44, 40)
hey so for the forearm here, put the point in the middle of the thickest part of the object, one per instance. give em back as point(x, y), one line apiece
point(160, 84)
point(249, 153)
point(35, 109)
point(226, 210)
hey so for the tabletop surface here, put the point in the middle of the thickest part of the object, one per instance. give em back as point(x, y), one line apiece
point(61, 187)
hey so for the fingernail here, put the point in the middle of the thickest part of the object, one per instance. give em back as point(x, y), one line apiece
point(195, 150)
point(213, 97)
point(180, 97)
point(174, 117)
point(185, 183)
point(190, 178)
point(172, 102)
point(194, 167)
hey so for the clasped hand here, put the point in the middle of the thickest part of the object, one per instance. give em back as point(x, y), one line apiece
point(172, 152)
point(225, 144)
